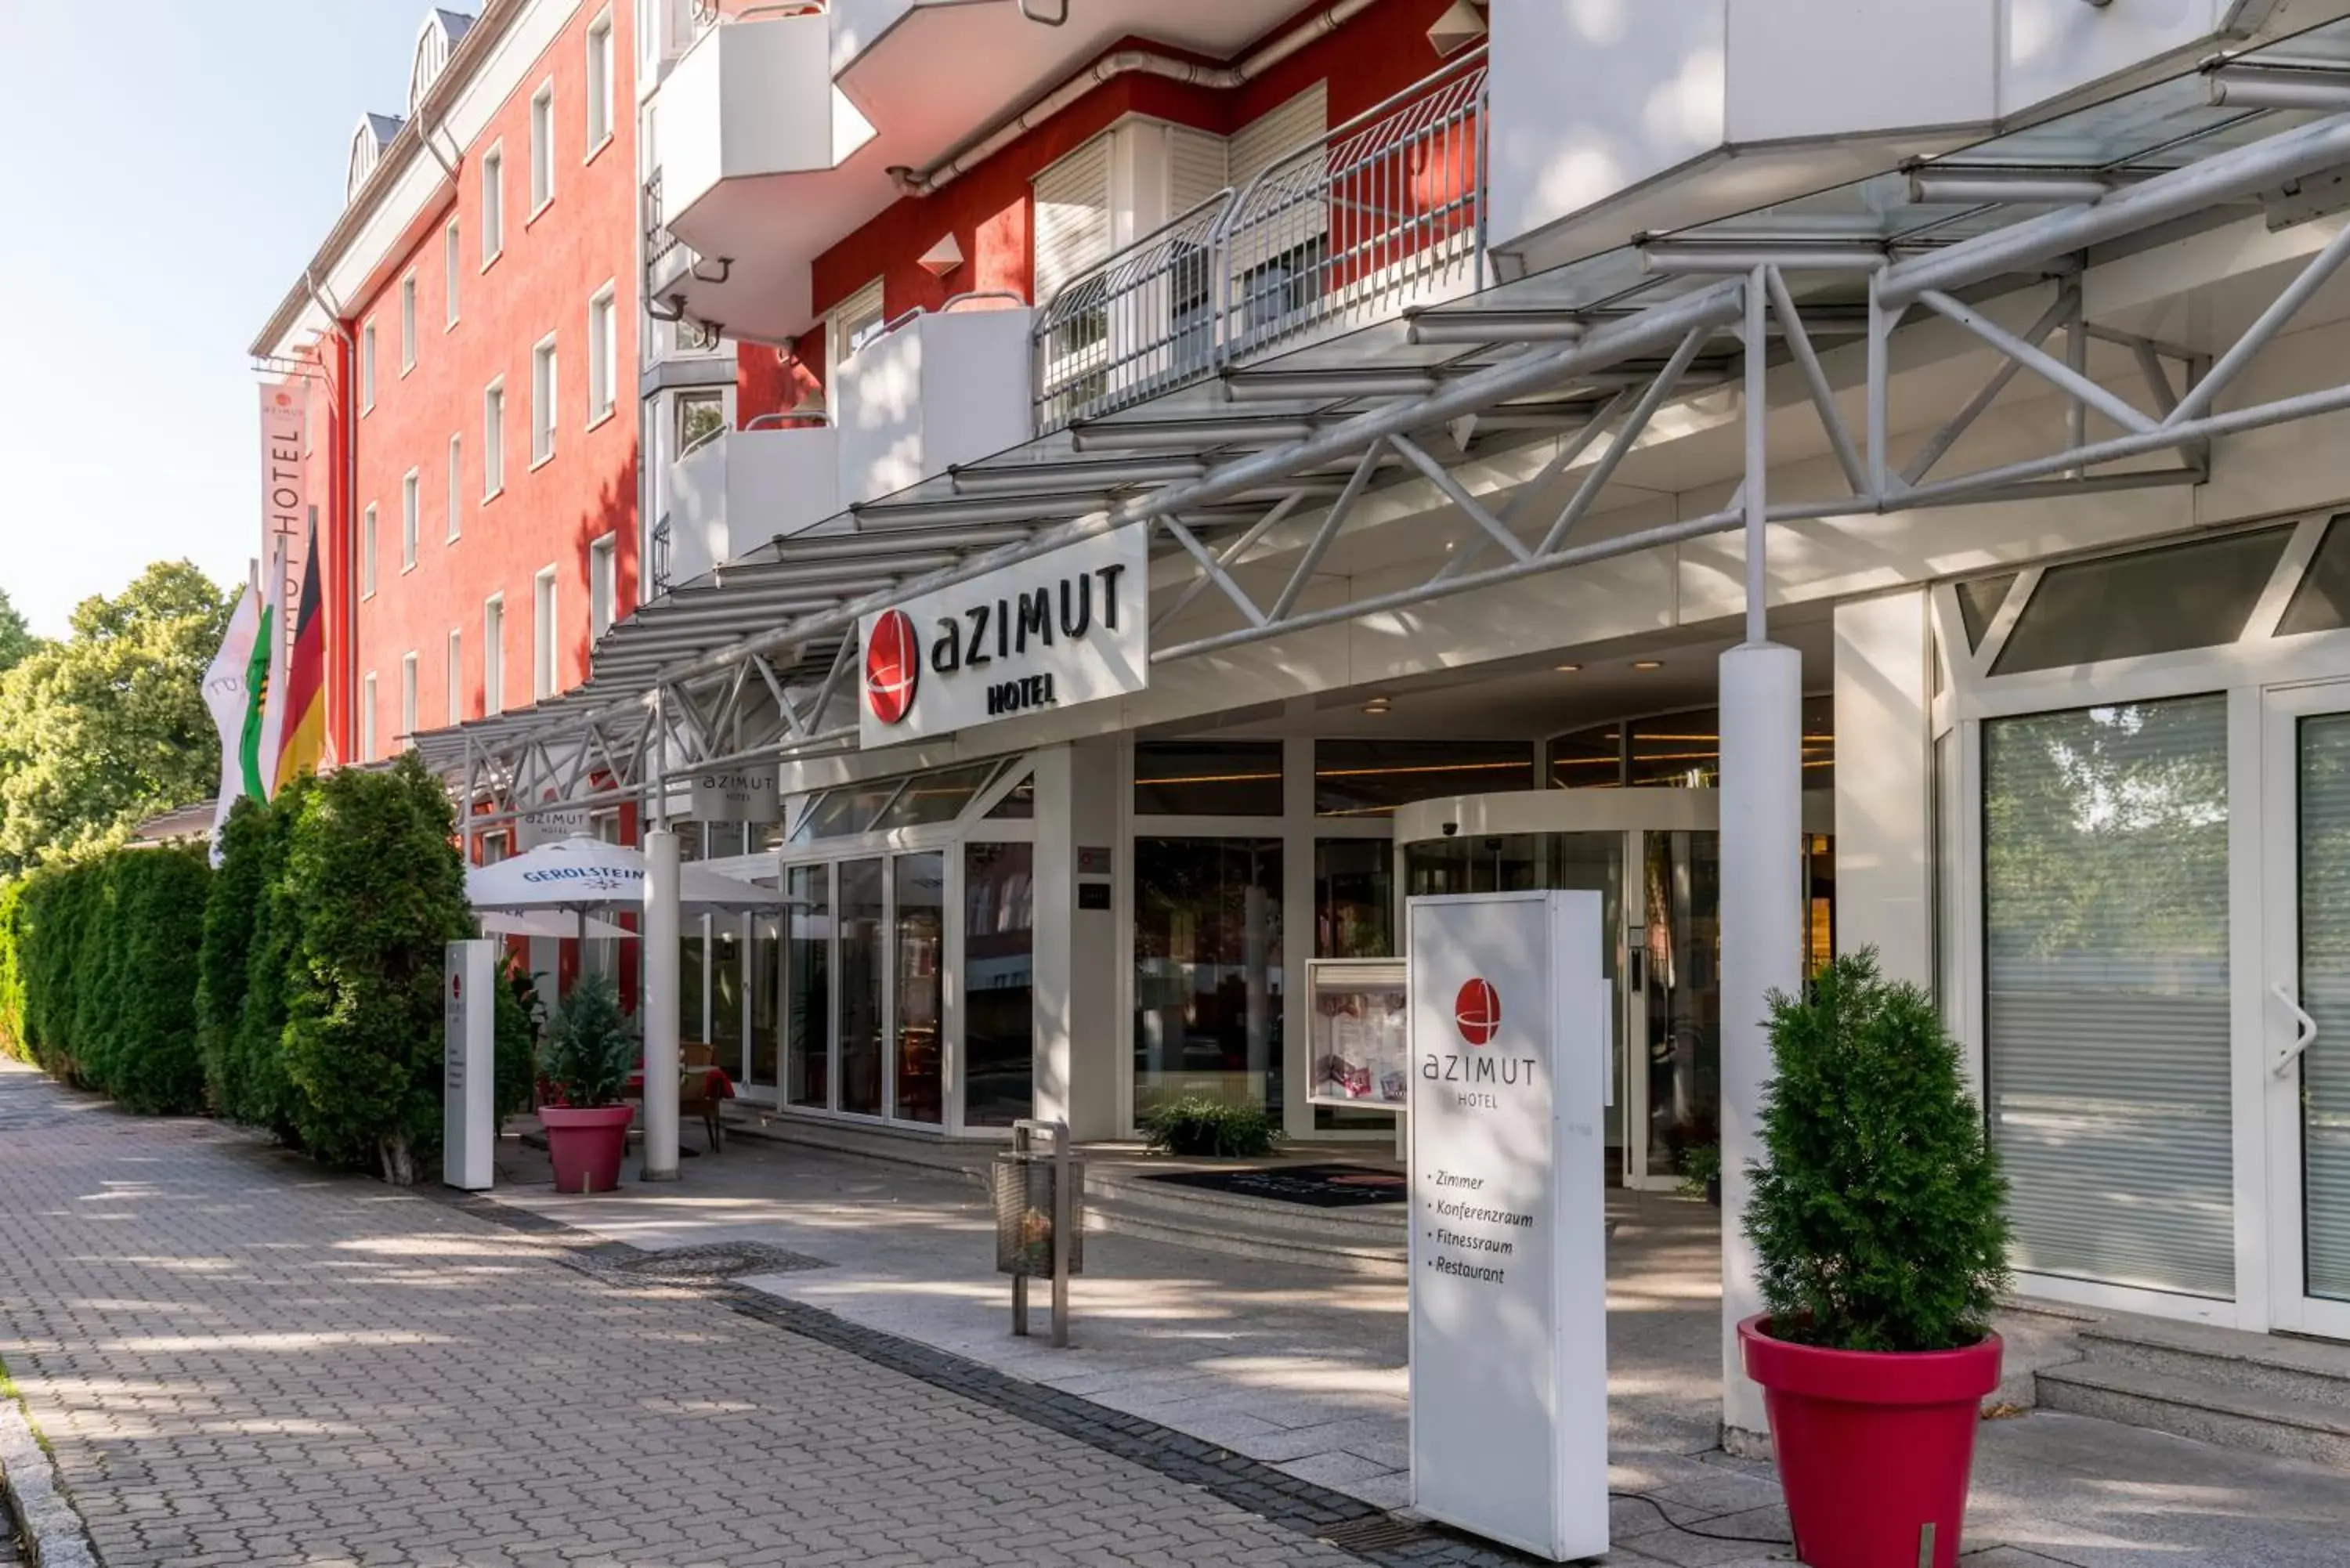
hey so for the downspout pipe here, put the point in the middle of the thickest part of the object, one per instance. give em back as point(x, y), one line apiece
point(1108, 69)
point(346, 416)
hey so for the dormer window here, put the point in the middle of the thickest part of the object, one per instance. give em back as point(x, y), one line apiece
point(373, 134)
point(435, 42)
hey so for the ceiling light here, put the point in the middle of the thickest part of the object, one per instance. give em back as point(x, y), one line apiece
point(1376, 706)
point(1568, 669)
point(1646, 664)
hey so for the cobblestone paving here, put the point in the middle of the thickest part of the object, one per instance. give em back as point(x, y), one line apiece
point(242, 1359)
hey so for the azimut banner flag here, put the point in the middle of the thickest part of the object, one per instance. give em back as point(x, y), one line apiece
point(302, 744)
point(285, 492)
point(234, 701)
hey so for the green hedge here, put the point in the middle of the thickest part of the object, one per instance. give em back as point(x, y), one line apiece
point(97, 974)
point(295, 989)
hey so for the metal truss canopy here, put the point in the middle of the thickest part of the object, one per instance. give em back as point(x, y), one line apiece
point(756, 662)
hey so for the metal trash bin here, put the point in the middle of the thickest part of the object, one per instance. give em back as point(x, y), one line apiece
point(1040, 1219)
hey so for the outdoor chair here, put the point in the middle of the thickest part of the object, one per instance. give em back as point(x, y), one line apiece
point(699, 1094)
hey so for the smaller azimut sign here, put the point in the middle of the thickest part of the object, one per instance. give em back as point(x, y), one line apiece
point(1069, 626)
point(1509, 1060)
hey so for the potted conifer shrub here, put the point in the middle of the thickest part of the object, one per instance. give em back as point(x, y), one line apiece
point(1879, 1218)
point(590, 1049)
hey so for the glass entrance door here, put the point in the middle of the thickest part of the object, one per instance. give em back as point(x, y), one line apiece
point(2305, 1006)
point(1676, 1089)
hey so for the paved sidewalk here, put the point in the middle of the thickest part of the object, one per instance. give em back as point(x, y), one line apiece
point(240, 1359)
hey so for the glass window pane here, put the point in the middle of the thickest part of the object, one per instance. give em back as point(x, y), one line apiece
point(1488, 863)
point(1354, 898)
point(999, 1011)
point(807, 1006)
point(847, 811)
point(693, 949)
point(1979, 603)
point(726, 990)
point(2324, 840)
point(863, 942)
point(1207, 970)
point(1677, 751)
point(2197, 595)
point(1018, 805)
point(2106, 990)
point(920, 1089)
point(1207, 778)
point(2321, 602)
point(935, 797)
point(1682, 940)
point(766, 998)
point(1819, 743)
point(1371, 778)
point(1589, 758)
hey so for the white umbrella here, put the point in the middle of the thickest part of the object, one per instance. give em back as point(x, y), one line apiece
point(551, 923)
point(588, 874)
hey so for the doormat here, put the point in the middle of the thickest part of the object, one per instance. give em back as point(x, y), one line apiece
point(1319, 1186)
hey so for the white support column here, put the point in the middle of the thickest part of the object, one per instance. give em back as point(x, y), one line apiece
point(660, 1019)
point(1884, 783)
point(1762, 891)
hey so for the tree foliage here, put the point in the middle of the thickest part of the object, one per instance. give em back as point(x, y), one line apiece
point(16, 638)
point(1880, 1214)
point(378, 891)
point(109, 725)
point(591, 1045)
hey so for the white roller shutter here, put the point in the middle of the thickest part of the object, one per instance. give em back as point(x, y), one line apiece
point(1195, 168)
point(2106, 990)
point(1072, 226)
point(1283, 129)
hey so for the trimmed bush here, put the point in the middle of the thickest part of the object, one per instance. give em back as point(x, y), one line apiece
point(14, 918)
point(377, 887)
point(226, 952)
point(1201, 1125)
point(256, 1065)
point(1880, 1216)
point(591, 1045)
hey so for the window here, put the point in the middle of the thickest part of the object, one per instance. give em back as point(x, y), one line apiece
point(603, 585)
point(542, 400)
point(2106, 987)
point(541, 147)
point(450, 252)
point(456, 496)
point(408, 699)
point(367, 552)
point(1207, 778)
point(699, 416)
point(407, 324)
point(456, 677)
point(367, 368)
point(854, 322)
point(542, 636)
point(366, 718)
point(600, 82)
point(493, 439)
point(1371, 778)
point(410, 504)
point(494, 203)
point(493, 655)
point(603, 354)
point(2163, 600)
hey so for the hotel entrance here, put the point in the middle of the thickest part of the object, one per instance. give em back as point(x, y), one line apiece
point(1654, 858)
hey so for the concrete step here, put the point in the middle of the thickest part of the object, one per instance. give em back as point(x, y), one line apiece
point(967, 1158)
point(2307, 1372)
point(1224, 1230)
point(2210, 1411)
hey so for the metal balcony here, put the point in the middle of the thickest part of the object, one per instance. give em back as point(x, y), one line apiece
point(1383, 212)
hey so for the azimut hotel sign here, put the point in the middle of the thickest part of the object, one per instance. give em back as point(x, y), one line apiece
point(1508, 1055)
point(1070, 625)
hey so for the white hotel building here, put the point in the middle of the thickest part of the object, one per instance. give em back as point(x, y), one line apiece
point(1821, 474)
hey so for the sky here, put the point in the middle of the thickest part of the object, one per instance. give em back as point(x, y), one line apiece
point(169, 166)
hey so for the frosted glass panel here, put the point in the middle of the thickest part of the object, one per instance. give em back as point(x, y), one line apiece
point(2326, 996)
point(2105, 951)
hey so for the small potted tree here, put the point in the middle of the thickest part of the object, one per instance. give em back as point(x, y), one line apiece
point(590, 1049)
point(1878, 1219)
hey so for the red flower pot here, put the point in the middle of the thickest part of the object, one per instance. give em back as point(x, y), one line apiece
point(586, 1145)
point(1872, 1446)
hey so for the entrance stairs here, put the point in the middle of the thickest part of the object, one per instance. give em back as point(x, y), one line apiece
point(2258, 1392)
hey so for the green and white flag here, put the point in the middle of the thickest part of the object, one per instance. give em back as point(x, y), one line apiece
point(232, 691)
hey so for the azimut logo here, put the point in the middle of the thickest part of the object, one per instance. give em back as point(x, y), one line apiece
point(1477, 1011)
point(893, 663)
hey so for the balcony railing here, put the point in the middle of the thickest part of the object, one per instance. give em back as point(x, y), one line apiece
point(660, 564)
point(659, 241)
point(1383, 210)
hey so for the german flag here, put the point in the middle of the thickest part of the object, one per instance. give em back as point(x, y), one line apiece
point(302, 741)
